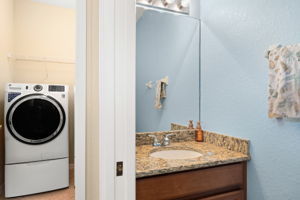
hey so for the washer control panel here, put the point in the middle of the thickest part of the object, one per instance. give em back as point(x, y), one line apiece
point(35, 88)
point(56, 88)
point(38, 88)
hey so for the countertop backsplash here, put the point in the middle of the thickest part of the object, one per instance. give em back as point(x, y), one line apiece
point(183, 134)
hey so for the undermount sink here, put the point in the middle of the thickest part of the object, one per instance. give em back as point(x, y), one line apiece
point(176, 154)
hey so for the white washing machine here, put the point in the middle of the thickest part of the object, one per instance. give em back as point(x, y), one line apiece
point(36, 138)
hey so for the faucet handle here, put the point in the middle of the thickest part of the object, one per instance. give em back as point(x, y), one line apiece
point(155, 143)
point(166, 140)
point(169, 135)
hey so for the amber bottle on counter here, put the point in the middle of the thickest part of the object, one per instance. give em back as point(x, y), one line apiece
point(199, 132)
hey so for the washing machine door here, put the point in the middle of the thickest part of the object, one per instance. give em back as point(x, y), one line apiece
point(35, 119)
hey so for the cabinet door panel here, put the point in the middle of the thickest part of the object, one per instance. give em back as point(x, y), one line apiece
point(236, 195)
point(192, 184)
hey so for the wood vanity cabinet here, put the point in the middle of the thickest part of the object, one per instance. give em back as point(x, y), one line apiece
point(226, 182)
point(236, 195)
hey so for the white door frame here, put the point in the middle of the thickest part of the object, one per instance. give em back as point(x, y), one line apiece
point(117, 25)
point(80, 101)
point(117, 98)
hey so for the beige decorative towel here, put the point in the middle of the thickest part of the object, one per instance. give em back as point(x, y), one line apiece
point(161, 92)
point(284, 81)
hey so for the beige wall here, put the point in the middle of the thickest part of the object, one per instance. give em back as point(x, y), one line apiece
point(6, 47)
point(31, 29)
point(48, 31)
point(41, 31)
point(92, 118)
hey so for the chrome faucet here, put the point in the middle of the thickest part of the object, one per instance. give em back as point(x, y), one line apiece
point(165, 141)
point(155, 143)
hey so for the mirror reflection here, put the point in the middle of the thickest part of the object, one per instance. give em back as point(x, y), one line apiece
point(167, 70)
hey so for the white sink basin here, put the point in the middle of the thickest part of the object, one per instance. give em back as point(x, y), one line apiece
point(176, 154)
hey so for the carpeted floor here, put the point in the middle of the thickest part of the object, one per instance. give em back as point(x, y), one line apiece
point(64, 194)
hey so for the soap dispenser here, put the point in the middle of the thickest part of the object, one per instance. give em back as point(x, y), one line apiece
point(199, 132)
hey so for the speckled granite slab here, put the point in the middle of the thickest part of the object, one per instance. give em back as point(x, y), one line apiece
point(179, 136)
point(182, 135)
point(212, 155)
point(217, 149)
point(228, 142)
point(178, 127)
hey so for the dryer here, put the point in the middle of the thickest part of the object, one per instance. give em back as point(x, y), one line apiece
point(36, 138)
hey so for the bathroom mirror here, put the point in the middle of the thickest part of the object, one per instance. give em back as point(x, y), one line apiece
point(167, 70)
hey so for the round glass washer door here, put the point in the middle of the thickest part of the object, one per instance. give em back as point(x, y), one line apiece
point(35, 119)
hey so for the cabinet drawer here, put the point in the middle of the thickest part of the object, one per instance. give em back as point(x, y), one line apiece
point(236, 195)
point(192, 184)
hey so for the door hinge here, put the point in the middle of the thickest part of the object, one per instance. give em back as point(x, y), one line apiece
point(120, 168)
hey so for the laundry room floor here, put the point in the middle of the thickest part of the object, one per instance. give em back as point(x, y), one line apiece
point(64, 194)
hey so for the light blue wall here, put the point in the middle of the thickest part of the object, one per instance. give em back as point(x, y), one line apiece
point(167, 45)
point(235, 34)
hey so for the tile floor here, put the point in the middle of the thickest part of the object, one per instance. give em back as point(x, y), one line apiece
point(64, 194)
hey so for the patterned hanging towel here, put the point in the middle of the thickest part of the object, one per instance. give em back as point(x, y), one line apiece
point(161, 92)
point(284, 81)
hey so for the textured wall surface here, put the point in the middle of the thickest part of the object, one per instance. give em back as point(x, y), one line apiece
point(235, 34)
point(92, 102)
point(42, 30)
point(167, 45)
point(6, 47)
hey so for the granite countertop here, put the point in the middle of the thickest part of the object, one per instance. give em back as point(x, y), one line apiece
point(212, 155)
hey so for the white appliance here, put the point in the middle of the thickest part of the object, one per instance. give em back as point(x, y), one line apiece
point(36, 138)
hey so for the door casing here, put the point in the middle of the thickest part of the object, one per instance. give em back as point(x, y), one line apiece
point(116, 99)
